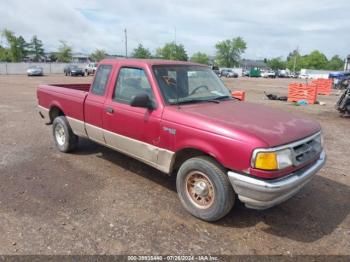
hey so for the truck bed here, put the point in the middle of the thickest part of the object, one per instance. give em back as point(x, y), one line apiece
point(80, 87)
point(69, 97)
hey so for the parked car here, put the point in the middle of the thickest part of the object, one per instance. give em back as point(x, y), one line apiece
point(246, 73)
point(228, 73)
point(294, 75)
point(283, 74)
point(73, 70)
point(90, 68)
point(216, 70)
point(304, 76)
point(217, 147)
point(268, 74)
point(35, 71)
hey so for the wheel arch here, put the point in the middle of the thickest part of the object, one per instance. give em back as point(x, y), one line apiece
point(54, 112)
point(186, 153)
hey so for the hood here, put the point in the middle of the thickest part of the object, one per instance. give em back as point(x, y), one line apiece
point(238, 120)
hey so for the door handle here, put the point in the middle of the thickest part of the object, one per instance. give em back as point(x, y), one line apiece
point(109, 110)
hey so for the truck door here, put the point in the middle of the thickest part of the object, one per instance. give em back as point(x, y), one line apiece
point(132, 130)
point(94, 104)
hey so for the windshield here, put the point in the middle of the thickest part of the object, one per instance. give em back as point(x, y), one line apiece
point(187, 84)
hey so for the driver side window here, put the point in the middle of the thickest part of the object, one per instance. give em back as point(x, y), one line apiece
point(131, 81)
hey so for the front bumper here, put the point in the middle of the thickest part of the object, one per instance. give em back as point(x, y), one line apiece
point(262, 194)
point(36, 73)
point(77, 73)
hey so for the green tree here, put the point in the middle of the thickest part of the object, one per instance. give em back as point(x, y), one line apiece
point(276, 63)
point(229, 51)
point(315, 60)
point(36, 48)
point(201, 58)
point(141, 52)
point(53, 57)
point(5, 55)
point(172, 51)
point(98, 55)
point(335, 63)
point(294, 61)
point(64, 53)
point(15, 44)
point(23, 46)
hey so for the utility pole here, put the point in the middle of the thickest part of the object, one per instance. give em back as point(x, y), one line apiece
point(295, 58)
point(175, 35)
point(126, 43)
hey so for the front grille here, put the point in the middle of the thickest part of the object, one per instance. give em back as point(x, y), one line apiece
point(307, 150)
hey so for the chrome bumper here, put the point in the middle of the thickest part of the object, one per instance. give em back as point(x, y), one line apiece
point(262, 194)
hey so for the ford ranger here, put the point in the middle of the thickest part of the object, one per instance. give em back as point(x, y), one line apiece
point(179, 118)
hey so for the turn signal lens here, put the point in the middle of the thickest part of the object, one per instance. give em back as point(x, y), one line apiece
point(266, 161)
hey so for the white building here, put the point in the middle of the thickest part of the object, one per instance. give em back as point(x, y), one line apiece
point(314, 74)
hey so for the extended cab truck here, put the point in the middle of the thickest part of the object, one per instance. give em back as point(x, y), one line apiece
point(179, 118)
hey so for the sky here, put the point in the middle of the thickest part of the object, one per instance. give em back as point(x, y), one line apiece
point(271, 28)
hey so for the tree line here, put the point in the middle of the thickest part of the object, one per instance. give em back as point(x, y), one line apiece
point(228, 54)
point(18, 49)
point(314, 60)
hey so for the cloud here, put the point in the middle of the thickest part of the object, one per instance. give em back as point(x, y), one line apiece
point(271, 28)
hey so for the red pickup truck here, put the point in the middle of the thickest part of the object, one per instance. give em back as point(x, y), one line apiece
point(179, 118)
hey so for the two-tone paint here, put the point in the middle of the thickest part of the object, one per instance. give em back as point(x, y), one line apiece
point(228, 131)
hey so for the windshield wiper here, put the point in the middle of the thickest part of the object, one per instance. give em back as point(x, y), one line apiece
point(189, 101)
point(212, 100)
point(221, 98)
point(218, 98)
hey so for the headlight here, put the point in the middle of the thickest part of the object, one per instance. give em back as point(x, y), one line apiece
point(273, 160)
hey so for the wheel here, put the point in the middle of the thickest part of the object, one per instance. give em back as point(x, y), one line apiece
point(64, 137)
point(66, 73)
point(204, 189)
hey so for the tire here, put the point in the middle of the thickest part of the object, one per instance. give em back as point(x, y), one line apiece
point(66, 73)
point(206, 175)
point(63, 135)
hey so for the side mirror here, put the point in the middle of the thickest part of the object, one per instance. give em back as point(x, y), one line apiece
point(142, 100)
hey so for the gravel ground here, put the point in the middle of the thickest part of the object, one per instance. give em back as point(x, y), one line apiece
point(97, 201)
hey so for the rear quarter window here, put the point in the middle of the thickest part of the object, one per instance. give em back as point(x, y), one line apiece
point(101, 79)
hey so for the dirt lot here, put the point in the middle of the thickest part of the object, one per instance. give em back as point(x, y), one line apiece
point(97, 201)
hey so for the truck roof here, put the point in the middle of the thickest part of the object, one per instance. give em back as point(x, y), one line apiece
point(144, 62)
